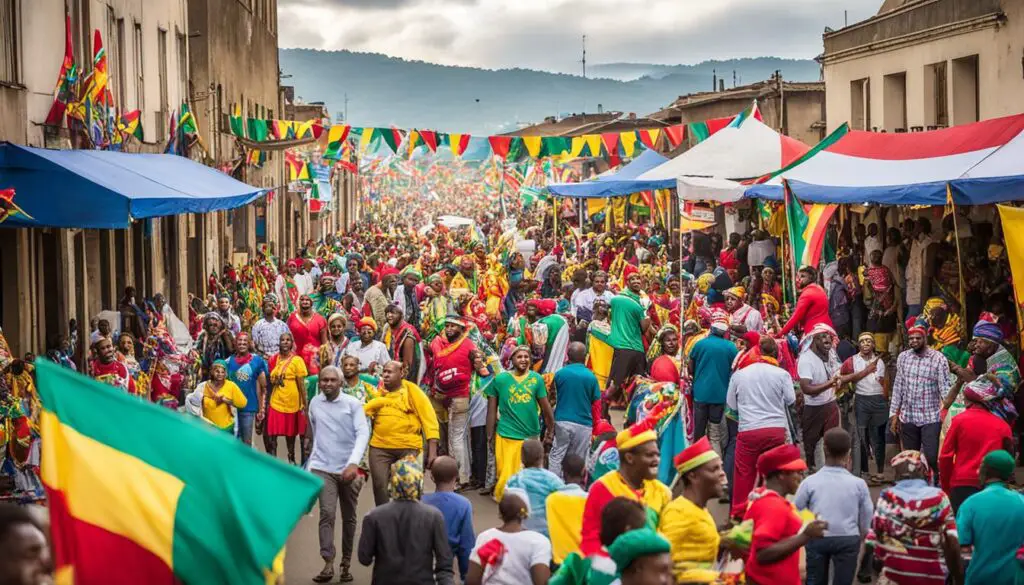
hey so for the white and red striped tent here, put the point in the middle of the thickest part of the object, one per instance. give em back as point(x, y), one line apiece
point(980, 163)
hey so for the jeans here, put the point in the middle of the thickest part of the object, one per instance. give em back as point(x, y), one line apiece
point(707, 419)
point(244, 425)
point(729, 458)
point(570, 437)
point(380, 461)
point(335, 490)
point(838, 551)
point(458, 425)
point(923, 438)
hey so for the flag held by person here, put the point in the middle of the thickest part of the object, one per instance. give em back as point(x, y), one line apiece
point(807, 227)
point(141, 494)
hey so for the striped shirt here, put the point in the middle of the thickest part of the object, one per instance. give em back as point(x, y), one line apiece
point(922, 380)
point(906, 531)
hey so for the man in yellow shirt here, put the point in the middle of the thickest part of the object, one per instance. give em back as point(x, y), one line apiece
point(403, 418)
point(686, 522)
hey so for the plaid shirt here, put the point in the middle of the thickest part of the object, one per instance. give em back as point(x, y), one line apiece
point(922, 381)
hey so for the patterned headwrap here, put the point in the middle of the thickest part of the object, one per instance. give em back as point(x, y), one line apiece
point(866, 335)
point(981, 390)
point(518, 349)
point(336, 316)
point(737, 291)
point(769, 300)
point(912, 461)
point(219, 364)
point(411, 269)
point(917, 329)
point(271, 297)
point(406, 479)
point(989, 330)
point(367, 322)
point(704, 282)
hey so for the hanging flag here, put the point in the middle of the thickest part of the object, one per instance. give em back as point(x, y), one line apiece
point(392, 137)
point(172, 135)
point(532, 144)
point(752, 111)
point(172, 530)
point(554, 145)
point(458, 143)
point(500, 145)
point(807, 227)
point(258, 131)
point(628, 142)
point(95, 84)
point(578, 144)
point(187, 122)
point(593, 143)
point(237, 123)
point(64, 92)
point(429, 138)
point(1013, 231)
point(335, 137)
point(130, 123)
point(650, 137)
point(675, 134)
point(365, 138)
point(348, 158)
point(611, 146)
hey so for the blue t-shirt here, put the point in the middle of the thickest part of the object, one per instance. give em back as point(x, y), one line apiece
point(246, 376)
point(538, 483)
point(712, 364)
point(458, 521)
point(576, 389)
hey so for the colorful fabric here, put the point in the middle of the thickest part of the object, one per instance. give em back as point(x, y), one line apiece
point(775, 519)
point(807, 227)
point(171, 531)
point(402, 418)
point(406, 481)
point(518, 404)
point(508, 460)
point(654, 495)
point(695, 455)
point(565, 521)
point(921, 383)
point(694, 537)
point(287, 380)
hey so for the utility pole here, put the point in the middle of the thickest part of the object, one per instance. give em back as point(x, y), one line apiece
point(584, 56)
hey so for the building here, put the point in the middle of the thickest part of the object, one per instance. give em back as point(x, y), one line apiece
point(48, 276)
point(796, 109)
point(926, 64)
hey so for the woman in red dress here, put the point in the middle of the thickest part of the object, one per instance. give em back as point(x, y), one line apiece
point(309, 329)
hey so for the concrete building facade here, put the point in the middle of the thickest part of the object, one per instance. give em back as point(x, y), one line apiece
point(926, 64)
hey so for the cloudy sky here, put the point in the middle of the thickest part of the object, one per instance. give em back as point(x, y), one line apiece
point(545, 34)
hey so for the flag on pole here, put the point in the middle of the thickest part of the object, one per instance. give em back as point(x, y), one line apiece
point(807, 227)
point(64, 92)
point(1013, 231)
point(127, 505)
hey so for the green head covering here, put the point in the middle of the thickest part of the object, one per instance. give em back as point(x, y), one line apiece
point(220, 363)
point(999, 463)
point(634, 544)
point(411, 269)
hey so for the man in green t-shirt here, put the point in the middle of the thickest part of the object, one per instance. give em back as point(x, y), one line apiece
point(513, 399)
point(629, 322)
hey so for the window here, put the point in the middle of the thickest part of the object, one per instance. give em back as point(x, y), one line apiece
point(9, 63)
point(860, 104)
point(161, 55)
point(936, 112)
point(140, 66)
point(120, 81)
point(182, 64)
point(894, 102)
point(965, 90)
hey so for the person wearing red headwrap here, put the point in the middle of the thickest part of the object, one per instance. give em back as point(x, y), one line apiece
point(380, 295)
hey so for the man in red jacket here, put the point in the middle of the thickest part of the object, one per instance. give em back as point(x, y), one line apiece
point(812, 306)
point(972, 434)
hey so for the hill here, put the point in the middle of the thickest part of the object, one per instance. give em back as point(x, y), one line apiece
point(386, 91)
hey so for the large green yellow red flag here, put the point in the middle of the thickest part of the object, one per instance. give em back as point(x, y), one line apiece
point(142, 494)
point(807, 227)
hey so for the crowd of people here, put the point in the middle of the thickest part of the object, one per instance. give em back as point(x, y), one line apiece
point(493, 356)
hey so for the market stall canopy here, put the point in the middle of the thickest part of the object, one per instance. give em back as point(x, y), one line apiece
point(981, 162)
point(605, 185)
point(104, 189)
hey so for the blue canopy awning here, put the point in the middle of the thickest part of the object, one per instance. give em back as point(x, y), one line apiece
point(104, 189)
point(610, 185)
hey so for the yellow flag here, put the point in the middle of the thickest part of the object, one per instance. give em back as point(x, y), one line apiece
point(364, 139)
point(576, 149)
point(532, 144)
point(594, 142)
point(413, 137)
point(1013, 232)
point(595, 205)
point(453, 143)
point(628, 142)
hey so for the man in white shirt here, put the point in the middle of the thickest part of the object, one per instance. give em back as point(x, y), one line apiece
point(340, 434)
point(872, 242)
point(871, 408)
point(919, 266)
point(818, 370)
point(760, 249)
point(583, 299)
point(759, 395)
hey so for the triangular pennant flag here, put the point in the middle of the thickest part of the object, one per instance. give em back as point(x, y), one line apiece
point(304, 130)
point(554, 146)
point(533, 144)
point(650, 137)
point(258, 130)
point(611, 145)
point(458, 143)
point(413, 142)
point(237, 123)
point(365, 137)
point(500, 145)
point(317, 129)
point(430, 139)
point(391, 137)
point(335, 137)
point(675, 134)
point(593, 143)
point(517, 149)
point(628, 142)
point(576, 150)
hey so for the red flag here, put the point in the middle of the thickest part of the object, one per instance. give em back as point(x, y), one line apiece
point(500, 145)
point(676, 134)
point(647, 137)
point(611, 144)
point(63, 93)
point(430, 139)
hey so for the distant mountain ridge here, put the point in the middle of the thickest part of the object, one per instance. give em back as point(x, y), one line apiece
point(387, 91)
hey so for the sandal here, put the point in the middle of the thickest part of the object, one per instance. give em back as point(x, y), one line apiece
point(346, 576)
point(325, 576)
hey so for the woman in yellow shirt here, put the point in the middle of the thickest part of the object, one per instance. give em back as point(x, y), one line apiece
point(219, 396)
point(286, 416)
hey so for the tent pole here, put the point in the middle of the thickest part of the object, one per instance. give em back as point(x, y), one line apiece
point(959, 257)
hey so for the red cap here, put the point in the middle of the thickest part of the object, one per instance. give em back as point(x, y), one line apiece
point(781, 458)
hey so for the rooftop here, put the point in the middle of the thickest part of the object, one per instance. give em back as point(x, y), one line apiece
point(758, 90)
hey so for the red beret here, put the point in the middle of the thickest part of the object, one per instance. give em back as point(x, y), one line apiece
point(781, 458)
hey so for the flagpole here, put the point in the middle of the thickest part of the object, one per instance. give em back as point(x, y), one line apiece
point(959, 258)
point(787, 201)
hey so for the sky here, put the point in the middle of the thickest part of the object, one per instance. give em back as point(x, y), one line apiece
point(546, 34)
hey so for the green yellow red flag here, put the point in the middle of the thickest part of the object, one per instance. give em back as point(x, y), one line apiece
point(141, 494)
